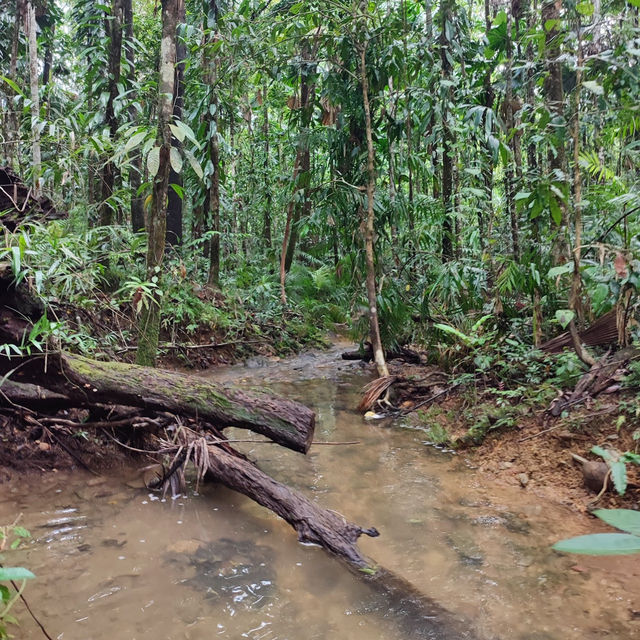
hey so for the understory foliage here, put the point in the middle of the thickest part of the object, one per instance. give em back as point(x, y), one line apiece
point(505, 146)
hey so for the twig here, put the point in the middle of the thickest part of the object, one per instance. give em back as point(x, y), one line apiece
point(429, 400)
point(540, 433)
point(605, 485)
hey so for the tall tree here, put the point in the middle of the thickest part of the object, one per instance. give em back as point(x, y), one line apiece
point(113, 28)
point(157, 220)
point(369, 222)
point(31, 29)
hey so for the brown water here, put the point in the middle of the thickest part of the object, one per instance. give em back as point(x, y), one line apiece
point(113, 562)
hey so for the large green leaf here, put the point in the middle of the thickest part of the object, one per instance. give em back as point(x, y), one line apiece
point(153, 161)
point(623, 519)
point(15, 573)
point(600, 544)
point(619, 475)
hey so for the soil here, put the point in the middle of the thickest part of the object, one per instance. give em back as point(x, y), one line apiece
point(535, 452)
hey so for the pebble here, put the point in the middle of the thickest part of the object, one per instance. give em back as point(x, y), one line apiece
point(524, 479)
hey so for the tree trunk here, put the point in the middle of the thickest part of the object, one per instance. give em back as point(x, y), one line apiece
point(175, 200)
point(555, 96)
point(211, 25)
point(89, 381)
point(313, 524)
point(135, 172)
point(510, 130)
point(150, 318)
point(13, 122)
point(266, 223)
point(575, 297)
point(447, 137)
point(30, 29)
point(302, 206)
point(369, 226)
point(113, 28)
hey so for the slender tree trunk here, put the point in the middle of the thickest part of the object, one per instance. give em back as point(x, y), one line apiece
point(135, 172)
point(285, 237)
point(555, 96)
point(509, 174)
point(302, 206)
point(30, 29)
point(575, 297)
point(157, 221)
point(447, 137)
point(175, 201)
point(113, 27)
point(211, 23)
point(13, 123)
point(369, 226)
point(266, 227)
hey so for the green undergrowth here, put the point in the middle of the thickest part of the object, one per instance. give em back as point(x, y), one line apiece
point(94, 288)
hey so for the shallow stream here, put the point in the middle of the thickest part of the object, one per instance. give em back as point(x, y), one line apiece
point(114, 562)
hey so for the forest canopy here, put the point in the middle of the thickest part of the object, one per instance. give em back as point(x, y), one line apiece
point(396, 164)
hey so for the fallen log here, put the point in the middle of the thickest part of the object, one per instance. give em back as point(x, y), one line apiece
point(312, 523)
point(89, 381)
point(402, 353)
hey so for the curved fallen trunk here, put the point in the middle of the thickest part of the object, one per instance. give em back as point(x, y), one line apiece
point(312, 523)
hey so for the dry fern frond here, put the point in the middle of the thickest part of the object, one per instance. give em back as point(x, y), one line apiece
point(374, 390)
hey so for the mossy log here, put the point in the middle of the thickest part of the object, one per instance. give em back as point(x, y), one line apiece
point(288, 423)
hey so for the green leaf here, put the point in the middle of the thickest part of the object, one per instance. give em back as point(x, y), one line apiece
point(13, 85)
point(600, 544)
point(153, 161)
point(585, 8)
point(623, 519)
point(556, 211)
point(178, 133)
point(134, 141)
point(15, 573)
point(619, 475)
point(635, 3)
point(564, 317)
point(176, 160)
point(594, 87)
point(195, 165)
point(561, 270)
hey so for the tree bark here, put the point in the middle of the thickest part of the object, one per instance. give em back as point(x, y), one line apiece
point(13, 123)
point(30, 29)
point(554, 92)
point(135, 172)
point(447, 137)
point(157, 222)
point(89, 382)
point(369, 224)
point(312, 523)
point(211, 24)
point(174, 200)
point(266, 223)
point(113, 27)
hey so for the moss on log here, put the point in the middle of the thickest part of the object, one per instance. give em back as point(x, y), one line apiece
point(288, 423)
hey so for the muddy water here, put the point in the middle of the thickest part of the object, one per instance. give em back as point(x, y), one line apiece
point(116, 562)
